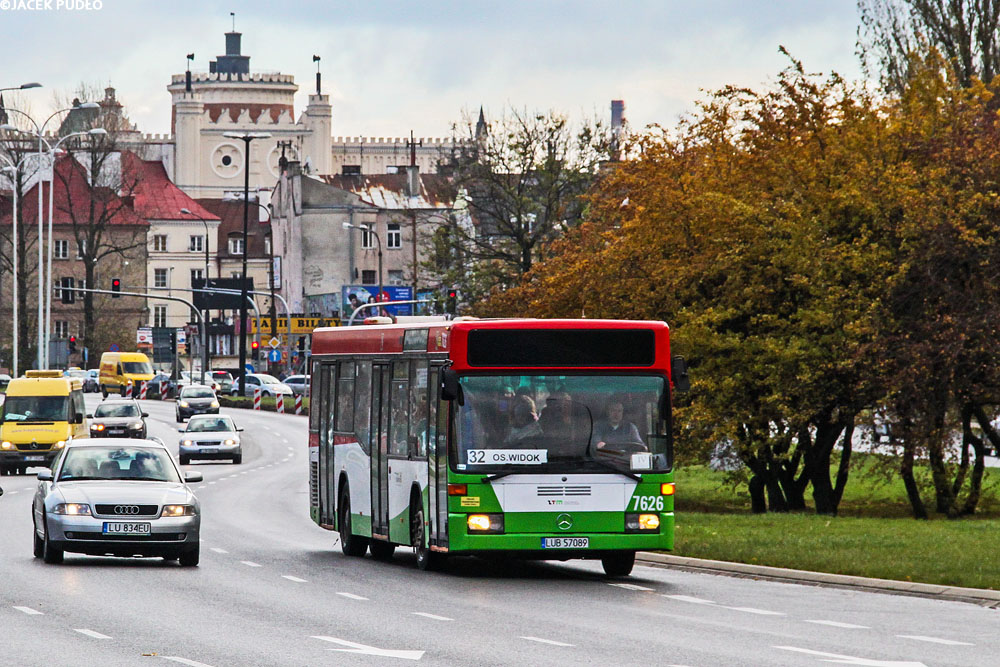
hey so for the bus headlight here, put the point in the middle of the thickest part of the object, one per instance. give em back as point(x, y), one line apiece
point(7, 444)
point(642, 523)
point(59, 445)
point(485, 523)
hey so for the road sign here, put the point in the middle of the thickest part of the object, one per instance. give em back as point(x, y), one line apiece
point(143, 336)
point(274, 342)
point(274, 355)
point(114, 347)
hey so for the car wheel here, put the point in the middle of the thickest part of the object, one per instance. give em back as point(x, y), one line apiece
point(185, 460)
point(426, 559)
point(238, 459)
point(381, 550)
point(50, 554)
point(351, 545)
point(39, 544)
point(190, 557)
point(619, 564)
point(104, 391)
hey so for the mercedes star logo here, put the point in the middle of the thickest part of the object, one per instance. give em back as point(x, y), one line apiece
point(126, 509)
point(34, 445)
point(564, 521)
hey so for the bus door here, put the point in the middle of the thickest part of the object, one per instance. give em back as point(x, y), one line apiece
point(381, 379)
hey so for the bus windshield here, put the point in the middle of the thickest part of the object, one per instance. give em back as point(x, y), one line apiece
point(561, 423)
point(36, 409)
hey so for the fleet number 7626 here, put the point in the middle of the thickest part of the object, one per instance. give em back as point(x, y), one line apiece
point(647, 504)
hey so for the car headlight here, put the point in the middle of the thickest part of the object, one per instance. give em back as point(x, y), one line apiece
point(77, 509)
point(97, 427)
point(137, 426)
point(229, 441)
point(187, 443)
point(6, 444)
point(178, 510)
point(485, 523)
point(59, 445)
point(183, 404)
point(215, 404)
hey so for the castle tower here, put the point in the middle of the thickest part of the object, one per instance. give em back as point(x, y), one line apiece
point(188, 114)
point(317, 144)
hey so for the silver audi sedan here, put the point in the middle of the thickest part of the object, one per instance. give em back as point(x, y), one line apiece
point(123, 497)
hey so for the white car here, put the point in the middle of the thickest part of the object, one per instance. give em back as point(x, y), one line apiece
point(269, 385)
point(116, 498)
point(210, 437)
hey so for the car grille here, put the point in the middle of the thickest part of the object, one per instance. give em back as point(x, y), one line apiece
point(143, 510)
point(158, 537)
point(203, 443)
point(33, 447)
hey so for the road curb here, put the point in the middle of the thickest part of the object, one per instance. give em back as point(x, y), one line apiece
point(983, 597)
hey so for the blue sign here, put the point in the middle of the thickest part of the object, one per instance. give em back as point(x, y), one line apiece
point(274, 355)
point(249, 368)
point(114, 347)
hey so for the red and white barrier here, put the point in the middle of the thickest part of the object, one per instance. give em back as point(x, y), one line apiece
point(298, 404)
point(143, 388)
point(164, 389)
point(279, 404)
point(256, 398)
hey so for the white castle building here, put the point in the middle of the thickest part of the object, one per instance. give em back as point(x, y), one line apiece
point(230, 98)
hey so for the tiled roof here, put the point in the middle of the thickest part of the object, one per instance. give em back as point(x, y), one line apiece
point(156, 198)
point(388, 191)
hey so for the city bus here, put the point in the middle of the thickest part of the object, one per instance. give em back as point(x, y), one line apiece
point(537, 439)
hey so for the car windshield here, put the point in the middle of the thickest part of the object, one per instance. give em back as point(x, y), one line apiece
point(197, 392)
point(117, 410)
point(211, 424)
point(36, 408)
point(126, 463)
point(137, 367)
point(268, 379)
point(564, 423)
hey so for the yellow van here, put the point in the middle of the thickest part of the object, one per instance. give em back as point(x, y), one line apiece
point(43, 411)
point(123, 372)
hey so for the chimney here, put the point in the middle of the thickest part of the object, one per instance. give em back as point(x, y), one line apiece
point(413, 180)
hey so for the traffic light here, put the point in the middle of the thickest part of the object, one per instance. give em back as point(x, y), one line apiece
point(452, 301)
point(173, 341)
point(72, 344)
point(116, 287)
point(255, 350)
point(302, 343)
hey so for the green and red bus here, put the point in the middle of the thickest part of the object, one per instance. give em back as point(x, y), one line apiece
point(542, 439)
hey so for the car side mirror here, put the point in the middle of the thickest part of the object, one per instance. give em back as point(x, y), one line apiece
point(90, 416)
point(182, 430)
point(45, 476)
point(145, 414)
point(190, 477)
point(1, 491)
point(239, 428)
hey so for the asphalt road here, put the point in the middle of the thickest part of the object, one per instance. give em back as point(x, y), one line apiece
point(274, 589)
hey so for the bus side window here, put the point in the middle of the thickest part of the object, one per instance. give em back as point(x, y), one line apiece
point(363, 404)
point(418, 409)
point(398, 401)
point(345, 397)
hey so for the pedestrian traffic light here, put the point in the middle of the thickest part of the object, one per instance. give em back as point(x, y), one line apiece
point(72, 344)
point(255, 350)
point(302, 343)
point(116, 287)
point(173, 341)
point(452, 301)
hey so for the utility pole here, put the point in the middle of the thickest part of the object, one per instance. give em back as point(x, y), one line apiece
point(413, 191)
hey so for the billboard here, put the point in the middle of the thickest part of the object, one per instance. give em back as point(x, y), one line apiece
point(366, 294)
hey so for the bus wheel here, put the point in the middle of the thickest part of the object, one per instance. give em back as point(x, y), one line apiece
point(426, 559)
point(381, 550)
point(352, 545)
point(618, 564)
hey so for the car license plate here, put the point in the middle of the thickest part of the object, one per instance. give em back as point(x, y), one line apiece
point(34, 458)
point(126, 528)
point(115, 431)
point(565, 542)
point(208, 450)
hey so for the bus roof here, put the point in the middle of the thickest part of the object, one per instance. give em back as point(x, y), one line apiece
point(43, 386)
point(510, 343)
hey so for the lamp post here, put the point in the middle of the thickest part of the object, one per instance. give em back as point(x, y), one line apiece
point(246, 138)
point(14, 169)
point(370, 229)
point(23, 86)
point(204, 320)
point(41, 357)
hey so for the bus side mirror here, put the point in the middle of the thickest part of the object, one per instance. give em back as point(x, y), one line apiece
point(450, 389)
point(78, 418)
point(679, 375)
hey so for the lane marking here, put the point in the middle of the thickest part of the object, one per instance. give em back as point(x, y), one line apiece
point(351, 596)
point(935, 640)
point(546, 641)
point(219, 551)
point(631, 587)
point(29, 611)
point(432, 616)
point(754, 610)
point(838, 624)
point(250, 563)
point(851, 660)
point(688, 598)
point(184, 661)
point(10, 493)
point(369, 650)
point(291, 578)
point(91, 633)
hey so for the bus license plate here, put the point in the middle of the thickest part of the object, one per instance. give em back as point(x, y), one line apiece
point(565, 542)
point(34, 458)
point(126, 528)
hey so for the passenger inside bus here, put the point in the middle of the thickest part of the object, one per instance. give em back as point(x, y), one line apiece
point(524, 421)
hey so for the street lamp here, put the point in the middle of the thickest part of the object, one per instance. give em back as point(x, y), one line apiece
point(23, 86)
point(42, 356)
point(371, 230)
point(204, 320)
point(14, 169)
point(246, 138)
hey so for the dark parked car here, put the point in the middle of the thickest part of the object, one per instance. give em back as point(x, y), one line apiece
point(118, 418)
point(153, 387)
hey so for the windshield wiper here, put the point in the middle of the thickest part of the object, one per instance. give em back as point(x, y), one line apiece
point(144, 479)
point(608, 466)
point(490, 478)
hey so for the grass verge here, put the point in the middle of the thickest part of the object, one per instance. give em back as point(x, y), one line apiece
point(266, 404)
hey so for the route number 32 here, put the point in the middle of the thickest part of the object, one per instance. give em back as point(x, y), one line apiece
point(647, 503)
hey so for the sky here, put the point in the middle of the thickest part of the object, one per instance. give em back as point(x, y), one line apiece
point(392, 66)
